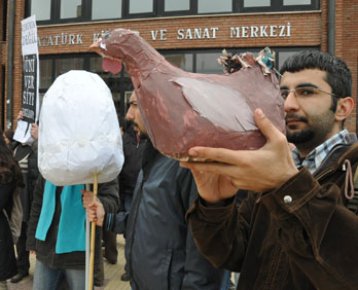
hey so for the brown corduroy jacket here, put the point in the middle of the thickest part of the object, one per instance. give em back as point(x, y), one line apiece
point(308, 243)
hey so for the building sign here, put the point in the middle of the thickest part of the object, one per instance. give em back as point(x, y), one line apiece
point(61, 39)
point(187, 33)
point(263, 31)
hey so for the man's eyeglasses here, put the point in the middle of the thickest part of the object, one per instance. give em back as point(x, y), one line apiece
point(303, 92)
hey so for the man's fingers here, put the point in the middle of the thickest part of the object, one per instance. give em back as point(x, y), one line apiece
point(217, 154)
point(220, 169)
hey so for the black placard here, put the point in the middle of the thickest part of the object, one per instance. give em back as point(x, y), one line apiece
point(29, 93)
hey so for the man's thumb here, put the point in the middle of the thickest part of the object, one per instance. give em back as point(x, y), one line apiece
point(265, 125)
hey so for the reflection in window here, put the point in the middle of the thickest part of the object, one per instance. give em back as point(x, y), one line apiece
point(297, 2)
point(64, 65)
point(46, 66)
point(212, 6)
point(283, 55)
point(41, 8)
point(175, 5)
point(112, 9)
point(183, 61)
point(257, 3)
point(140, 6)
point(207, 63)
point(95, 66)
point(71, 8)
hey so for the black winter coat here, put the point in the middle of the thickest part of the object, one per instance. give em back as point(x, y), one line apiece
point(7, 255)
point(160, 250)
point(30, 175)
point(133, 152)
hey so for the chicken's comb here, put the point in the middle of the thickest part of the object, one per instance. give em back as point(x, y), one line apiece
point(231, 63)
point(105, 34)
point(234, 62)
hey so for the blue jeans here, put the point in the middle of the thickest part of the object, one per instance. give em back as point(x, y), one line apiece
point(225, 283)
point(46, 278)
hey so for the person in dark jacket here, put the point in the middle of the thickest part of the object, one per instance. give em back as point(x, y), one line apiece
point(299, 228)
point(26, 156)
point(160, 251)
point(56, 233)
point(133, 146)
point(10, 178)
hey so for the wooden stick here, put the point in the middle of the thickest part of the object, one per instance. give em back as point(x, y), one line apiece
point(88, 188)
point(93, 238)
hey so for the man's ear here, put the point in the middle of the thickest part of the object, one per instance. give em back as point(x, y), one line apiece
point(344, 108)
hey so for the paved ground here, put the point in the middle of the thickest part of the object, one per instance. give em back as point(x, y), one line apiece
point(112, 273)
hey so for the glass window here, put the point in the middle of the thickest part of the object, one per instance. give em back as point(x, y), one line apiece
point(41, 8)
point(183, 61)
point(95, 64)
point(257, 3)
point(113, 9)
point(297, 2)
point(46, 66)
point(283, 55)
point(209, 6)
point(64, 65)
point(175, 5)
point(71, 8)
point(140, 6)
point(208, 63)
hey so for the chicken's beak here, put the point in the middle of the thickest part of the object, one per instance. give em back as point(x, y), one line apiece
point(97, 47)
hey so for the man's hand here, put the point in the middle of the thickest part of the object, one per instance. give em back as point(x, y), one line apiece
point(94, 209)
point(257, 170)
point(20, 115)
point(34, 131)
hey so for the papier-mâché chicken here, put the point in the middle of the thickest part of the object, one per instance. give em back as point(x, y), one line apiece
point(182, 109)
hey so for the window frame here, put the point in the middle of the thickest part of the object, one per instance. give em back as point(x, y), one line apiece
point(89, 13)
point(277, 6)
point(158, 10)
point(128, 15)
point(224, 12)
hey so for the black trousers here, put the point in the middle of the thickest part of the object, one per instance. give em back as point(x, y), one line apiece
point(23, 256)
point(110, 246)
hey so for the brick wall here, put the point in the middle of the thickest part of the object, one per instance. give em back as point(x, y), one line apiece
point(347, 42)
point(301, 35)
point(16, 78)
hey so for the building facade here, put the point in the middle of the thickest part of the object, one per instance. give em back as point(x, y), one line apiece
point(189, 33)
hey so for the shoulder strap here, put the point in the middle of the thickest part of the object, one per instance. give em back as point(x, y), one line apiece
point(353, 203)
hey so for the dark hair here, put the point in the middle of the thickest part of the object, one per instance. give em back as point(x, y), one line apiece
point(9, 168)
point(338, 75)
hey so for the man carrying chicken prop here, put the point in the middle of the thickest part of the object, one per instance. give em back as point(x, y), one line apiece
point(298, 227)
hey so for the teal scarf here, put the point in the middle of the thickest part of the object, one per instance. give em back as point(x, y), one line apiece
point(71, 231)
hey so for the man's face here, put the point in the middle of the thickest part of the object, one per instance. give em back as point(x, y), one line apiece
point(309, 118)
point(134, 114)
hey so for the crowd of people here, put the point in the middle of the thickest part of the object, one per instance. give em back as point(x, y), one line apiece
point(283, 216)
